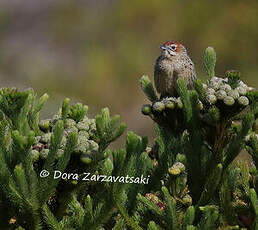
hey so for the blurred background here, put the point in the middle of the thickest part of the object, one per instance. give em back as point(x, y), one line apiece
point(95, 51)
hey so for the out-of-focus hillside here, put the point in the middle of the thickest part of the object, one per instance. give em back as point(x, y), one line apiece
point(95, 51)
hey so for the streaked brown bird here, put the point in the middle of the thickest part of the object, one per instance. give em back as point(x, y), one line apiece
point(172, 64)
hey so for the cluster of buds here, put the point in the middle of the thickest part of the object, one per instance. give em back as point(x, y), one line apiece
point(221, 89)
point(85, 129)
point(178, 183)
point(168, 103)
point(176, 169)
point(156, 200)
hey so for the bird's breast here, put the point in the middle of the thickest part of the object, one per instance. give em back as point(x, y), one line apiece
point(164, 77)
point(167, 67)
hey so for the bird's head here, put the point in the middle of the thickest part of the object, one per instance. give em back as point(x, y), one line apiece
point(172, 48)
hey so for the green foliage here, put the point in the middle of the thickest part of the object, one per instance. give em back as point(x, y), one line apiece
point(58, 173)
point(200, 90)
point(188, 218)
point(35, 201)
point(77, 112)
point(147, 88)
point(170, 210)
point(108, 129)
point(210, 216)
point(153, 226)
point(22, 109)
point(218, 120)
point(233, 78)
point(211, 185)
point(210, 61)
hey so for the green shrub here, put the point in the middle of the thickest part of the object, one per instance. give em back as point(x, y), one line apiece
point(58, 173)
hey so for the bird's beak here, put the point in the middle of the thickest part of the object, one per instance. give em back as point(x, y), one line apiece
point(163, 47)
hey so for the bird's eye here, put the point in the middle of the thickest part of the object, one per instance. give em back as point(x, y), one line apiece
point(173, 47)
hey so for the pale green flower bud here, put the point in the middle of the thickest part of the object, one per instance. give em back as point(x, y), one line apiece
point(233, 93)
point(82, 145)
point(211, 98)
point(70, 122)
point(179, 165)
point(187, 200)
point(34, 155)
point(169, 104)
point(242, 84)
point(241, 90)
point(225, 87)
point(214, 85)
point(174, 171)
point(44, 153)
point(221, 94)
point(45, 138)
point(82, 125)
point(92, 126)
point(243, 100)
point(229, 100)
point(44, 124)
point(210, 91)
point(146, 109)
point(71, 129)
point(60, 153)
point(179, 103)
point(93, 147)
point(158, 106)
point(84, 134)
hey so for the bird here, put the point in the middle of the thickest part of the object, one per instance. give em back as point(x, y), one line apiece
point(172, 64)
